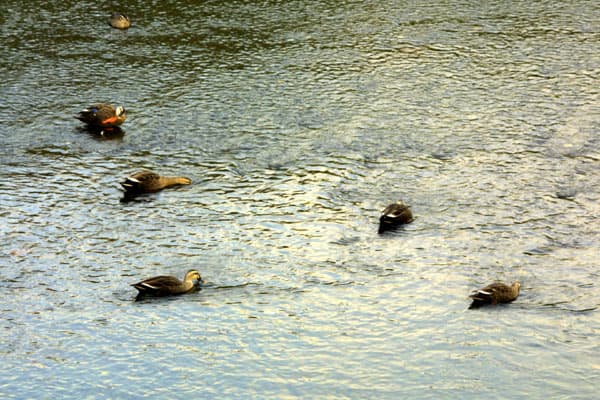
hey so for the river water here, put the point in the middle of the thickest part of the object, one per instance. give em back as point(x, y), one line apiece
point(298, 121)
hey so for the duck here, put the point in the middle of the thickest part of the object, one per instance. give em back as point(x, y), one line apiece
point(102, 115)
point(393, 215)
point(165, 285)
point(119, 21)
point(149, 182)
point(495, 293)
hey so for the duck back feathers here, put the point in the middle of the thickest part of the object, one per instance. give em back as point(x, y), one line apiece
point(148, 182)
point(119, 21)
point(101, 115)
point(393, 215)
point(495, 293)
point(164, 285)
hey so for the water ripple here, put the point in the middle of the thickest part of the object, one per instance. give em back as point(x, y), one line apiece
point(297, 124)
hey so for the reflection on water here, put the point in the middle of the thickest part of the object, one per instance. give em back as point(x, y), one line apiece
point(115, 133)
point(297, 123)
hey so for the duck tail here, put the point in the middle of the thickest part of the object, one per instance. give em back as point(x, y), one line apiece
point(476, 304)
point(139, 287)
point(144, 287)
point(130, 184)
point(480, 298)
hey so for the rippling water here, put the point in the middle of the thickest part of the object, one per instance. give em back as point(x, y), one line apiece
point(298, 122)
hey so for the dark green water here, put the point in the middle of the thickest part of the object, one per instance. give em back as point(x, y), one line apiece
point(298, 122)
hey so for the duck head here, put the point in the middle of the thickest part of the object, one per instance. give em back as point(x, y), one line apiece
point(194, 276)
point(119, 21)
point(121, 115)
point(120, 111)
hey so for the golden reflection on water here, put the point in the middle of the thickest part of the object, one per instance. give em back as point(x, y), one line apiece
point(297, 125)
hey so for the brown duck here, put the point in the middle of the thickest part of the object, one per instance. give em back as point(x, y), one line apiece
point(148, 182)
point(119, 21)
point(101, 115)
point(165, 285)
point(495, 293)
point(393, 215)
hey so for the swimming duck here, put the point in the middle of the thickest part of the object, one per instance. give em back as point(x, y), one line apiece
point(495, 293)
point(165, 285)
point(393, 215)
point(148, 182)
point(119, 21)
point(102, 115)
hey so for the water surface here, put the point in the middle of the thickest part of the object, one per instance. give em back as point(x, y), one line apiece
point(298, 122)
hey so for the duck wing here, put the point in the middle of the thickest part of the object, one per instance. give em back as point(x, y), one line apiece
point(158, 285)
point(140, 181)
point(396, 213)
point(493, 294)
point(95, 113)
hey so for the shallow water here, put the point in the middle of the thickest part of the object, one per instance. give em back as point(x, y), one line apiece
point(298, 122)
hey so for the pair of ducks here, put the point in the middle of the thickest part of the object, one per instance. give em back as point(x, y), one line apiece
point(163, 285)
point(106, 117)
point(399, 213)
